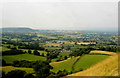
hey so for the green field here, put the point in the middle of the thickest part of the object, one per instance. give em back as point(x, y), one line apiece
point(29, 57)
point(65, 54)
point(67, 65)
point(10, 68)
point(4, 49)
point(88, 60)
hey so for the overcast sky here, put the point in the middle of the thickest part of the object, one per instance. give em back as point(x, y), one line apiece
point(70, 15)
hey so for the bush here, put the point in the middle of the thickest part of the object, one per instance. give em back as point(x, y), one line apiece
point(16, 74)
point(29, 51)
point(12, 52)
point(3, 74)
point(29, 76)
point(42, 69)
point(36, 53)
point(3, 62)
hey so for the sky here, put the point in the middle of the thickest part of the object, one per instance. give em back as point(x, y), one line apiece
point(96, 15)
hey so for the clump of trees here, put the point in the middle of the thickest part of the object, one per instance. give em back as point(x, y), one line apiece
point(3, 62)
point(36, 53)
point(81, 51)
point(13, 52)
point(29, 51)
point(52, 55)
point(42, 69)
point(16, 74)
point(112, 49)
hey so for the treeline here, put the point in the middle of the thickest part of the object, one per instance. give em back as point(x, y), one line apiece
point(24, 74)
point(12, 52)
point(32, 46)
point(80, 52)
point(41, 68)
point(52, 55)
point(111, 49)
point(17, 74)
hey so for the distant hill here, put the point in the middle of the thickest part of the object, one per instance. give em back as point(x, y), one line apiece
point(18, 29)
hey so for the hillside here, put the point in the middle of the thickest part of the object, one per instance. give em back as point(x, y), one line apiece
point(108, 67)
point(17, 29)
point(10, 68)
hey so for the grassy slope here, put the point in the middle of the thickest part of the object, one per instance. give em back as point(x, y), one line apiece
point(4, 49)
point(102, 52)
point(108, 67)
point(30, 57)
point(66, 64)
point(88, 60)
point(10, 68)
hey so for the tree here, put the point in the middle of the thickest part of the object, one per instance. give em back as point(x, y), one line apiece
point(9, 46)
point(16, 74)
point(65, 57)
point(75, 43)
point(3, 62)
point(3, 74)
point(36, 53)
point(29, 76)
point(25, 52)
point(62, 73)
point(43, 54)
point(29, 51)
point(42, 69)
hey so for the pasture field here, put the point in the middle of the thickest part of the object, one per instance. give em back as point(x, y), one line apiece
point(4, 49)
point(10, 68)
point(107, 67)
point(86, 43)
point(52, 44)
point(67, 65)
point(88, 60)
point(29, 57)
point(102, 52)
point(66, 42)
point(65, 54)
point(52, 48)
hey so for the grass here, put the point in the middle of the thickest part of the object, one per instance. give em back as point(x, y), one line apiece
point(4, 49)
point(29, 57)
point(107, 67)
point(54, 60)
point(88, 60)
point(102, 52)
point(52, 48)
point(65, 54)
point(66, 64)
point(52, 44)
point(10, 68)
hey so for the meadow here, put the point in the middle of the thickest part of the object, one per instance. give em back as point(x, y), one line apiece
point(67, 65)
point(107, 67)
point(29, 57)
point(10, 68)
point(75, 64)
point(86, 61)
